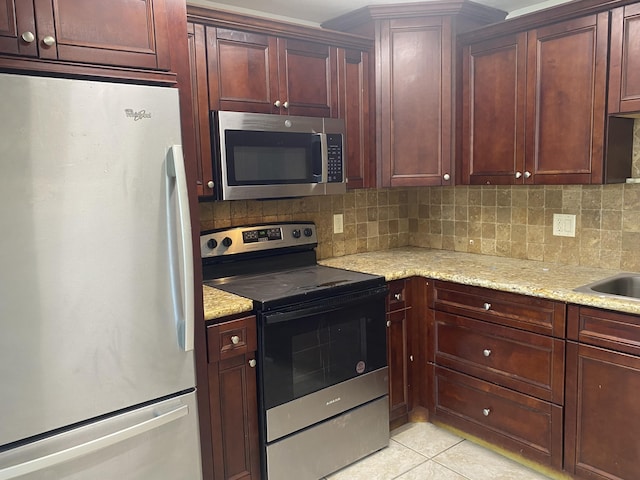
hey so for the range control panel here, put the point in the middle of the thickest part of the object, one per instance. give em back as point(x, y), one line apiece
point(254, 238)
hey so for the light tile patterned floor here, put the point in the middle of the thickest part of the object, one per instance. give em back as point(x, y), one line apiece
point(422, 451)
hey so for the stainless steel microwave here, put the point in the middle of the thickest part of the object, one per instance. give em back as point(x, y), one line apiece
point(260, 156)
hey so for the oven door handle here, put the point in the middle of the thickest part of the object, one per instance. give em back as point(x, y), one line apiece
point(323, 307)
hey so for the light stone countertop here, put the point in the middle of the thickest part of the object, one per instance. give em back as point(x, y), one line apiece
point(539, 279)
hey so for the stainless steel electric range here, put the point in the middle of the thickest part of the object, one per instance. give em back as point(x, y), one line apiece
point(322, 362)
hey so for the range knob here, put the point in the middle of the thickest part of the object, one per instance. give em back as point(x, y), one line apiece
point(226, 241)
point(308, 232)
point(212, 243)
point(296, 233)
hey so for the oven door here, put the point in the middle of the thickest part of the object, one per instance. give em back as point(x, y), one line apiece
point(311, 347)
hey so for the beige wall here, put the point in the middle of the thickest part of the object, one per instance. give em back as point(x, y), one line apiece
point(511, 221)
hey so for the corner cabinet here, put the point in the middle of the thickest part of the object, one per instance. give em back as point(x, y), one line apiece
point(233, 398)
point(550, 79)
point(603, 381)
point(117, 33)
point(498, 363)
point(415, 84)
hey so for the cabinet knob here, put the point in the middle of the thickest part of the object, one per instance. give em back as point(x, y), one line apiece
point(28, 37)
point(235, 339)
point(486, 352)
point(527, 174)
point(486, 411)
point(388, 323)
point(210, 184)
point(49, 40)
point(487, 306)
point(277, 104)
point(446, 177)
point(411, 358)
point(397, 296)
point(252, 362)
point(518, 174)
point(285, 104)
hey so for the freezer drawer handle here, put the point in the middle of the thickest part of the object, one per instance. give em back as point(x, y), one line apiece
point(175, 169)
point(93, 445)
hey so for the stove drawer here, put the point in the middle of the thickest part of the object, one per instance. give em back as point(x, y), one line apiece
point(232, 338)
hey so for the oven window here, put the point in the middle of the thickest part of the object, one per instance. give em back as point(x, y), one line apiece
point(307, 354)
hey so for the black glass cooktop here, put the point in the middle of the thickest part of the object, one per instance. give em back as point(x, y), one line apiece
point(295, 285)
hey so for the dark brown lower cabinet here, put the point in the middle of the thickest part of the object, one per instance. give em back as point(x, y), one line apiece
point(233, 399)
point(602, 440)
point(496, 364)
point(507, 418)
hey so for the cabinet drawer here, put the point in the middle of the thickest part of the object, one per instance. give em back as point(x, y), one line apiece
point(232, 338)
point(538, 315)
point(524, 361)
point(511, 420)
point(396, 298)
point(602, 328)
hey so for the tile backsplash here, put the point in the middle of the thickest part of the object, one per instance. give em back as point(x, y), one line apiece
point(510, 221)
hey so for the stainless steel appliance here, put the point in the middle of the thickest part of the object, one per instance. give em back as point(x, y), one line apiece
point(96, 289)
point(273, 156)
point(322, 363)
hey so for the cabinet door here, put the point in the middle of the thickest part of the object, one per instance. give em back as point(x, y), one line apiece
point(602, 413)
point(233, 399)
point(200, 102)
point(243, 71)
point(307, 73)
point(567, 69)
point(398, 368)
point(16, 19)
point(353, 106)
point(624, 69)
point(414, 89)
point(493, 111)
point(131, 33)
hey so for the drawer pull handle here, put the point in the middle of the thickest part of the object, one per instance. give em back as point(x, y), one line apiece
point(235, 339)
point(252, 362)
point(397, 296)
point(487, 306)
point(388, 323)
point(486, 411)
point(486, 352)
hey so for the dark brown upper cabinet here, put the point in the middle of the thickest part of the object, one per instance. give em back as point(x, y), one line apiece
point(116, 33)
point(248, 64)
point(254, 72)
point(415, 84)
point(534, 105)
point(624, 70)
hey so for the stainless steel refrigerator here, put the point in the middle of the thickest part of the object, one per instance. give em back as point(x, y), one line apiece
point(97, 375)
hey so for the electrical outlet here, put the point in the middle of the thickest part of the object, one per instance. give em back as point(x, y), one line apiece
point(338, 223)
point(564, 225)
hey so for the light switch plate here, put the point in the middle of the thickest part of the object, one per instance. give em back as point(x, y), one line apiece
point(564, 225)
point(338, 223)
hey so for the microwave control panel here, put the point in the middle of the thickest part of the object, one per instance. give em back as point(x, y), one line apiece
point(335, 172)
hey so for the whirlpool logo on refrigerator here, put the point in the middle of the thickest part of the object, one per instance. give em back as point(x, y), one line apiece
point(130, 113)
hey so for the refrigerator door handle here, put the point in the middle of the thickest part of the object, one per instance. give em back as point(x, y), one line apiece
point(76, 451)
point(175, 169)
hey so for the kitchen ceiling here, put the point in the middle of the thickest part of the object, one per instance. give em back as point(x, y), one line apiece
point(317, 11)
